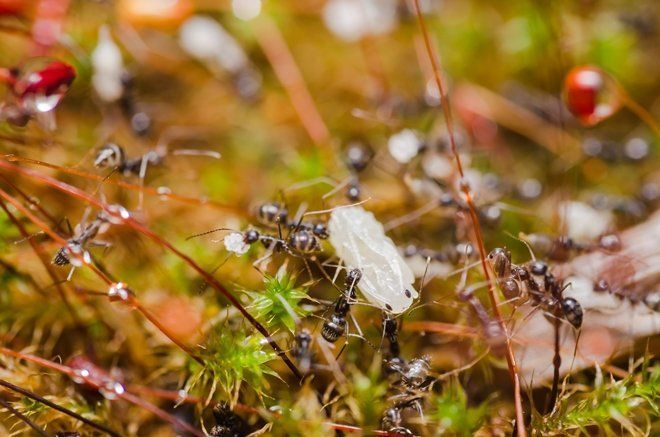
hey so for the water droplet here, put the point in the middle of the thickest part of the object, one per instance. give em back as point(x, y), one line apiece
point(119, 291)
point(116, 214)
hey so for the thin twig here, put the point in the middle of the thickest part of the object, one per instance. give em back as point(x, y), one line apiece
point(511, 359)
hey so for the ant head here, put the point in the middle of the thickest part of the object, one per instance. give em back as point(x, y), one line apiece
point(251, 236)
point(353, 277)
point(303, 337)
point(353, 191)
point(321, 230)
point(358, 155)
point(500, 260)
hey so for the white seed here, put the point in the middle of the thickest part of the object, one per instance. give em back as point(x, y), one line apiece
point(235, 243)
point(404, 146)
point(360, 241)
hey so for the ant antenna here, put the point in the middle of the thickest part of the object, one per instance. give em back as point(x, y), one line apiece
point(207, 233)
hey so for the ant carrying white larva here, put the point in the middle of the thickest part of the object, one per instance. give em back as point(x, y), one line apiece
point(360, 241)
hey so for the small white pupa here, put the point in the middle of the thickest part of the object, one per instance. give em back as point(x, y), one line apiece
point(360, 241)
point(108, 68)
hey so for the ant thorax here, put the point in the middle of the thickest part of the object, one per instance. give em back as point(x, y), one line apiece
point(360, 241)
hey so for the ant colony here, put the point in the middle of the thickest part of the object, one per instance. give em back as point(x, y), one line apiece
point(338, 217)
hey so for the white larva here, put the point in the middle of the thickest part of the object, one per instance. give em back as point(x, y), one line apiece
point(360, 241)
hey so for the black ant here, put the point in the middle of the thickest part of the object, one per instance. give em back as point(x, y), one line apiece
point(272, 213)
point(545, 291)
point(358, 155)
point(301, 241)
point(228, 423)
point(561, 248)
point(336, 325)
point(140, 121)
point(302, 350)
point(84, 236)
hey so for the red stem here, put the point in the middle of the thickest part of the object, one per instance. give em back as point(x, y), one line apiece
point(511, 359)
point(78, 193)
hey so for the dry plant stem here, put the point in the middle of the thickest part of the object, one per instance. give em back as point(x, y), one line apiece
point(23, 417)
point(32, 203)
point(638, 109)
point(147, 190)
point(66, 370)
point(133, 301)
point(276, 50)
point(161, 414)
point(510, 357)
point(441, 328)
point(76, 192)
point(54, 406)
point(44, 261)
point(493, 106)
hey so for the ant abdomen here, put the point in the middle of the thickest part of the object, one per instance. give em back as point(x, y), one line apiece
point(304, 241)
point(272, 213)
point(61, 258)
point(333, 328)
point(572, 311)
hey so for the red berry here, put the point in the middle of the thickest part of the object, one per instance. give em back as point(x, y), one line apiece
point(590, 94)
point(53, 78)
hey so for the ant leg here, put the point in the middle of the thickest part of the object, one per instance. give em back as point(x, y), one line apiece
point(70, 275)
point(144, 163)
point(556, 363)
point(256, 264)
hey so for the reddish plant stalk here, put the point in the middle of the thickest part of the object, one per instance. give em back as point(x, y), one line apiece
point(147, 190)
point(89, 381)
point(510, 357)
point(59, 408)
point(131, 222)
point(44, 261)
point(276, 50)
point(132, 300)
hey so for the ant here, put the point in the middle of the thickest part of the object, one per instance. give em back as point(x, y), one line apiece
point(272, 213)
point(228, 423)
point(84, 236)
point(562, 247)
point(546, 292)
point(297, 243)
point(358, 155)
point(336, 325)
point(538, 282)
point(302, 350)
point(113, 156)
